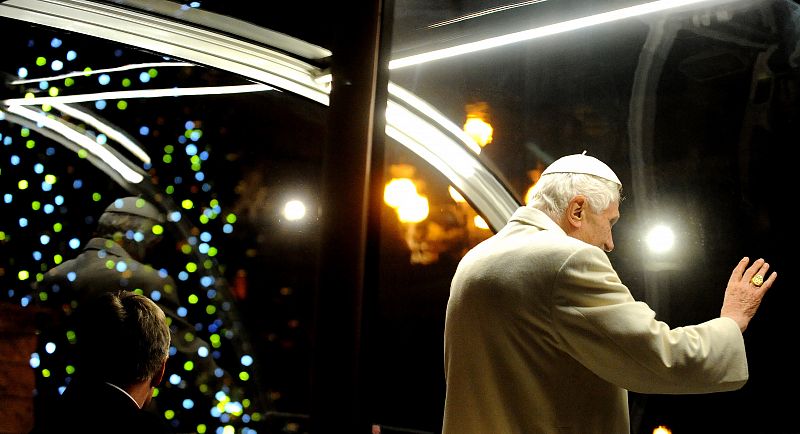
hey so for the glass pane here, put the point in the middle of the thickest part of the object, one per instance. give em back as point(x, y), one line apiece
point(695, 108)
point(426, 227)
point(307, 22)
point(235, 166)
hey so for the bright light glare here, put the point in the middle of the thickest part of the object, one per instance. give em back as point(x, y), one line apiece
point(455, 194)
point(480, 223)
point(401, 194)
point(415, 210)
point(294, 210)
point(399, 191)
point(552, 29)
point(480, 130)
point(662, 430)
point(528, 195)
point(660, 239)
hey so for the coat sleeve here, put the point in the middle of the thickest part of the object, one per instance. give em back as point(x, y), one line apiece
point(619, 339)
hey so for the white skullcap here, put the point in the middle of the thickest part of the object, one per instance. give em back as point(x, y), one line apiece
point(135, 206)
point(582, 163)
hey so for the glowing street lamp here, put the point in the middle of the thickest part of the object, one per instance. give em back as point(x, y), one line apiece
point(660, 239)
point(401, 194)
point(294, 210)
point(477, 125)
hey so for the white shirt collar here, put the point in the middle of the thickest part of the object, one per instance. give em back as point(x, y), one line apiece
point(123, 391)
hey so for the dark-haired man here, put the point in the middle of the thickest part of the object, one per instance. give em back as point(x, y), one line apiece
point(127, 231)
point(123, 350)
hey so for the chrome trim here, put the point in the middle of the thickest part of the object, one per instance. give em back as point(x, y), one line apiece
point(441, 144)
point(173, 39)
point(231, 26)
point(28, 119)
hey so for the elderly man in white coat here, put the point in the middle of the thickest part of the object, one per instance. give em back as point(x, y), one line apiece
point(541, 336)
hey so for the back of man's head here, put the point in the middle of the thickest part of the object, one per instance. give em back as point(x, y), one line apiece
point(572, 175)
point(122, 337)
point(132, 222)
point(552, 192)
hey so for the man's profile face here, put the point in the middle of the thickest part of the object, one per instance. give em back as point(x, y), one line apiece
point(596, 228)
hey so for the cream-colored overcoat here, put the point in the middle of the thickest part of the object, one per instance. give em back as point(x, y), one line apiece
point(542, 337)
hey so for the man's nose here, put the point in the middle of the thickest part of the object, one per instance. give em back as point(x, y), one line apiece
point(608, 246)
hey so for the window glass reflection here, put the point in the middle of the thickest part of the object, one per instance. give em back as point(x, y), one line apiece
point(426, 227)
point(231, 163)
point(693, 107)
point(235, 168)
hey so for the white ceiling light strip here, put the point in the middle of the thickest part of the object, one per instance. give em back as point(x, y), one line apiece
point(102, 71)
point(81, 140)
point(133, 94)
point(108, 130)
point(552, 29)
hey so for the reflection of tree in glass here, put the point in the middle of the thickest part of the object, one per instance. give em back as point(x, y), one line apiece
point(53, 196)
point(127, 230)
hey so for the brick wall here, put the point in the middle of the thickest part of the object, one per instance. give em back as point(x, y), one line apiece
point(17, 381)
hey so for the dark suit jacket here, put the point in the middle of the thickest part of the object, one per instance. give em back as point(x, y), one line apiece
point(104, 266)
point(97, 407)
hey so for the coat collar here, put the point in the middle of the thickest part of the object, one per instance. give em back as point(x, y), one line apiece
point(108, 245)
point(121, 390)
point(533, 217)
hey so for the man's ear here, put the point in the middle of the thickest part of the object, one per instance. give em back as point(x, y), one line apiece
point(160, 375)
point(576, 211)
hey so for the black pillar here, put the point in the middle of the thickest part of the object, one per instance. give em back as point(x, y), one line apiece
point(352, 179)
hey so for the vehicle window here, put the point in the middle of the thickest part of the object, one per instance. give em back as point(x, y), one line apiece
point(694, 107)
point(426, 228)
point(236, 167)
point(234, 164)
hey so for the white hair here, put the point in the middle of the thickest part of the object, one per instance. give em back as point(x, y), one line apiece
point(553, 191)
